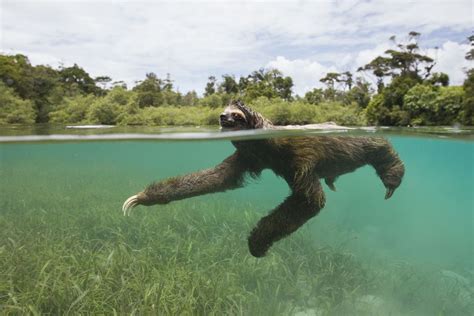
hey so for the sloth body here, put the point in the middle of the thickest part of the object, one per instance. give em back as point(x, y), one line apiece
point(302, 161)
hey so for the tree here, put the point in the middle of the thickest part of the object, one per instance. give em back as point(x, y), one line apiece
point(75, 76)
point(213, 101)
point(439, 79)
point(171, 97)
point(243, 83)
point(13, 109)
point(210, 86)
point(380, 68)
point(420, 102)
point(168, 83)
point(44, 80)
point(394, 93)
point(40, 84)
point(360, 93)
point(314, 96)
point(15, 72)
point(405, 60)
point(149, 91)
point(449, 105)
point(190, 99)
point(229, 85)
point(103, 112)
point(283, 87)
point(346, 78)
point(430, 105)
point(103, 81)
point(376, 111)
point(72, 109)
point(330, 79)
point(119, 83)
point(467, 111)
point(407, 67)
point(268, 83)
point(470, 53)
point(119, 95)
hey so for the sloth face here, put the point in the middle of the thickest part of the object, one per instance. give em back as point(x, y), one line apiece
point(233, 119)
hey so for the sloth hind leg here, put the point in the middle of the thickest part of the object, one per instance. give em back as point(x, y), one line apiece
point(296, 210)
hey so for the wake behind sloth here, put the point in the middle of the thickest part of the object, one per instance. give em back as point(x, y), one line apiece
point(302, 161)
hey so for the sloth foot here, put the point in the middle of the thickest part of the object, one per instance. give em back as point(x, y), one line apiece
point(258, 243)
point(129, 204)
point(258, 250)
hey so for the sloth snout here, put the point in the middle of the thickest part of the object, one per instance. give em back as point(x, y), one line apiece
point(224, 118)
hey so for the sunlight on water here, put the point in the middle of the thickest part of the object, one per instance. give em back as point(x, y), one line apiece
point(65, 245)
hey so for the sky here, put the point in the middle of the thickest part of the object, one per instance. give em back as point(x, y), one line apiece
point(192, 40)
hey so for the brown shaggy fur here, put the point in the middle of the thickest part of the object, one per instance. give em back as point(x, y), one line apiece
point(301, 161)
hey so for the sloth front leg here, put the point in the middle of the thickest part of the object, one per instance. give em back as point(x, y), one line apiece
point(227, 175)
point(296, 210)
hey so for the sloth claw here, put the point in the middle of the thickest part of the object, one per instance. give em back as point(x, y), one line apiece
point(129, 204)
point(389, 193)
point(330, 183)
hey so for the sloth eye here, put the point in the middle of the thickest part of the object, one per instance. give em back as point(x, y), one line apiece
point(237, 117)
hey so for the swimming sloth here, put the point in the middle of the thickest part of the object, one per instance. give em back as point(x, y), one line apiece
point(302, 161)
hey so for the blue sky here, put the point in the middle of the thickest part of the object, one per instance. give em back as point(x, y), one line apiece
point(192, 40)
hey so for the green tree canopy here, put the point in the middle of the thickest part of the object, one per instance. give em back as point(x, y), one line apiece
point(210, 86)
point(76, 77)
point(267, 83)
point(103, 81)
point(330, 79)
point(229, 85)
point(314, 96)
point(13, 109)
point(406, 60)
point(149, 91)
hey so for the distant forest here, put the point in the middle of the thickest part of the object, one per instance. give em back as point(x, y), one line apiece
point(407, 93)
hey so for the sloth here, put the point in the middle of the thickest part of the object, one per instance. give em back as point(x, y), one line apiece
point(302, 161)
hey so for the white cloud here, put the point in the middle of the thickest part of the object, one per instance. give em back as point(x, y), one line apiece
point(305, 73)
point(450, 59)
point(367, 55)
point(195, 39)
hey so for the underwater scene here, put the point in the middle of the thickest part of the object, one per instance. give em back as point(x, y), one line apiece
point(67, 248)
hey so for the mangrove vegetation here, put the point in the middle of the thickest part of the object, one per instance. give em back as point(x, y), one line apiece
point(406, 92)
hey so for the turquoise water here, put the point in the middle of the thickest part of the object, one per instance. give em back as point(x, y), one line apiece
point(63, 199)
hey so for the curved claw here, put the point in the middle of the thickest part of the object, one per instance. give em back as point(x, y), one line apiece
point(129, 204)
point(389, 193)
point(332, 187)
point(330, 183)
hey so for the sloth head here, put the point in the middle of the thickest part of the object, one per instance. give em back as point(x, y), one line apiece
point(238, 116)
